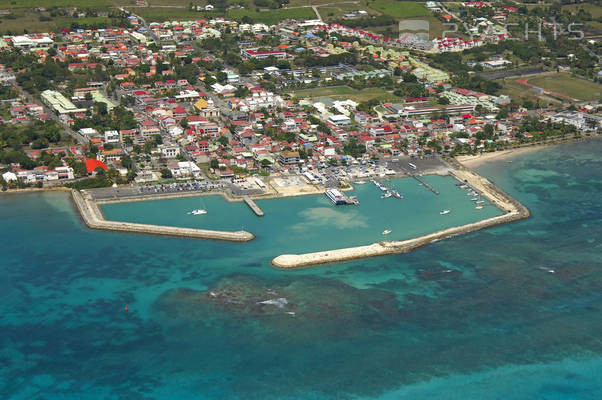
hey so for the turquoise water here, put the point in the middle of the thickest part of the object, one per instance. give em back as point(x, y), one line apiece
point(478, 316)
point(312, 223)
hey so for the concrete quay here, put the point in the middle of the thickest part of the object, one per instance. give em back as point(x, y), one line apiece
point(513, 211)
point(94, 219)
point(258, 211)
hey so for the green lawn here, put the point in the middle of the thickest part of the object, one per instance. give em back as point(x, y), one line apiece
point(346, 92)
point(400, 9)
point(569, 86)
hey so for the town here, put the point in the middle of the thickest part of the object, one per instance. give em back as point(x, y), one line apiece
point(216, 103)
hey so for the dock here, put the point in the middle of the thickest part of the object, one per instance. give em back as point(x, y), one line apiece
point(93, 218)
point(426, 185)
point(258, 211)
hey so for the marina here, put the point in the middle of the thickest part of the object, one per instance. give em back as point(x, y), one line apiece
point(314, 221)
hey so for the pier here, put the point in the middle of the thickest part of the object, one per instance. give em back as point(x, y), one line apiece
point(258, 211)
point(426, 185)
point(94, 219)
point(514, 211)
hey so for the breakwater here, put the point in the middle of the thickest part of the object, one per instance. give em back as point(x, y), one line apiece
point(94, 219)
point(513, 211)
point(253, 206)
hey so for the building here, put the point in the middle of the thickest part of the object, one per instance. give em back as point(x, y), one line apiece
point(168, 151)
point(60, 103)
point(289, 157)
point(339, 120)
point(253, 53)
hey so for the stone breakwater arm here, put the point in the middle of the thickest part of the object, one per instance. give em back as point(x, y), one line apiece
point(513, 211)
point(93, 218)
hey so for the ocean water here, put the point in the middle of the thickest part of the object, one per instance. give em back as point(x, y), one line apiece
point(510, 312)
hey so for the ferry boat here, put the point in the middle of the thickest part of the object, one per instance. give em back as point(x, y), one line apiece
point(336, 197)
point(386, 232)
point(443, 212)
point(199, 212)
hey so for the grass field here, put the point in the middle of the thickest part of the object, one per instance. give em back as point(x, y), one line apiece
point(273, 16)
point(593, 9)
point(55, 3)
point(346, 92)
point(569, 86)
point(519, 93)
point(400, 9)
point(31, 23)
point(269, 16)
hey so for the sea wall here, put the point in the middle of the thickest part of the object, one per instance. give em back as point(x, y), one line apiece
point(513, 211)
point(94, 219)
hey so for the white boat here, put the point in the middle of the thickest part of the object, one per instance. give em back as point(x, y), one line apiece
point(359, 182)
point(199, 212)
point(443, 212)
point(474, 199)
point(386, 232)
point(479, 207)
point(396, 194)
point(388, 194)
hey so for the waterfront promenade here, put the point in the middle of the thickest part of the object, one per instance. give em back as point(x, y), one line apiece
point(512, 208)
point(94, 219)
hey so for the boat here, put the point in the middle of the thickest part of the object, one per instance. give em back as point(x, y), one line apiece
point(335, 196)
point(443, 212)
point(386, 232)
point(480, 202)
point(479, 207)
point(354, 200)
point(474, 199)
point(359, 182)
point(396, 194)
point(384, 196)
point(199, 212)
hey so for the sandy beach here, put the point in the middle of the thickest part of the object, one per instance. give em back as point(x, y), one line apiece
point(480, 159)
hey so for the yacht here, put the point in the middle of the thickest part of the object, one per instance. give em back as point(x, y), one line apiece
point(443, 212)
point(386, 232)
point(199, 212)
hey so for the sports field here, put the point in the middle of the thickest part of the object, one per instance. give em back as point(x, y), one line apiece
point(568, 85)
point(346, 92)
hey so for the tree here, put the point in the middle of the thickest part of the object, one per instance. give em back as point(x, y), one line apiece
point(443, 100)
point(214, 163)
point(166, 173)
point(223, 140)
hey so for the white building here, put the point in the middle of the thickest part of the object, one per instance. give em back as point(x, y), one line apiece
point(112, 137)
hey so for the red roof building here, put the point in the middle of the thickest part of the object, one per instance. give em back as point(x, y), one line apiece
point(92, 164)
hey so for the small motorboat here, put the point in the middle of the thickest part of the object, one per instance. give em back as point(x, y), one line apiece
point(479, 207)
point(386, 232)
point(443, 212)
point(388, 194)
point(199, 212)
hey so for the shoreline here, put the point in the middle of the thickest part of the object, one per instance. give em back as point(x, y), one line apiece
point(474, 161)
point(513, 211)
